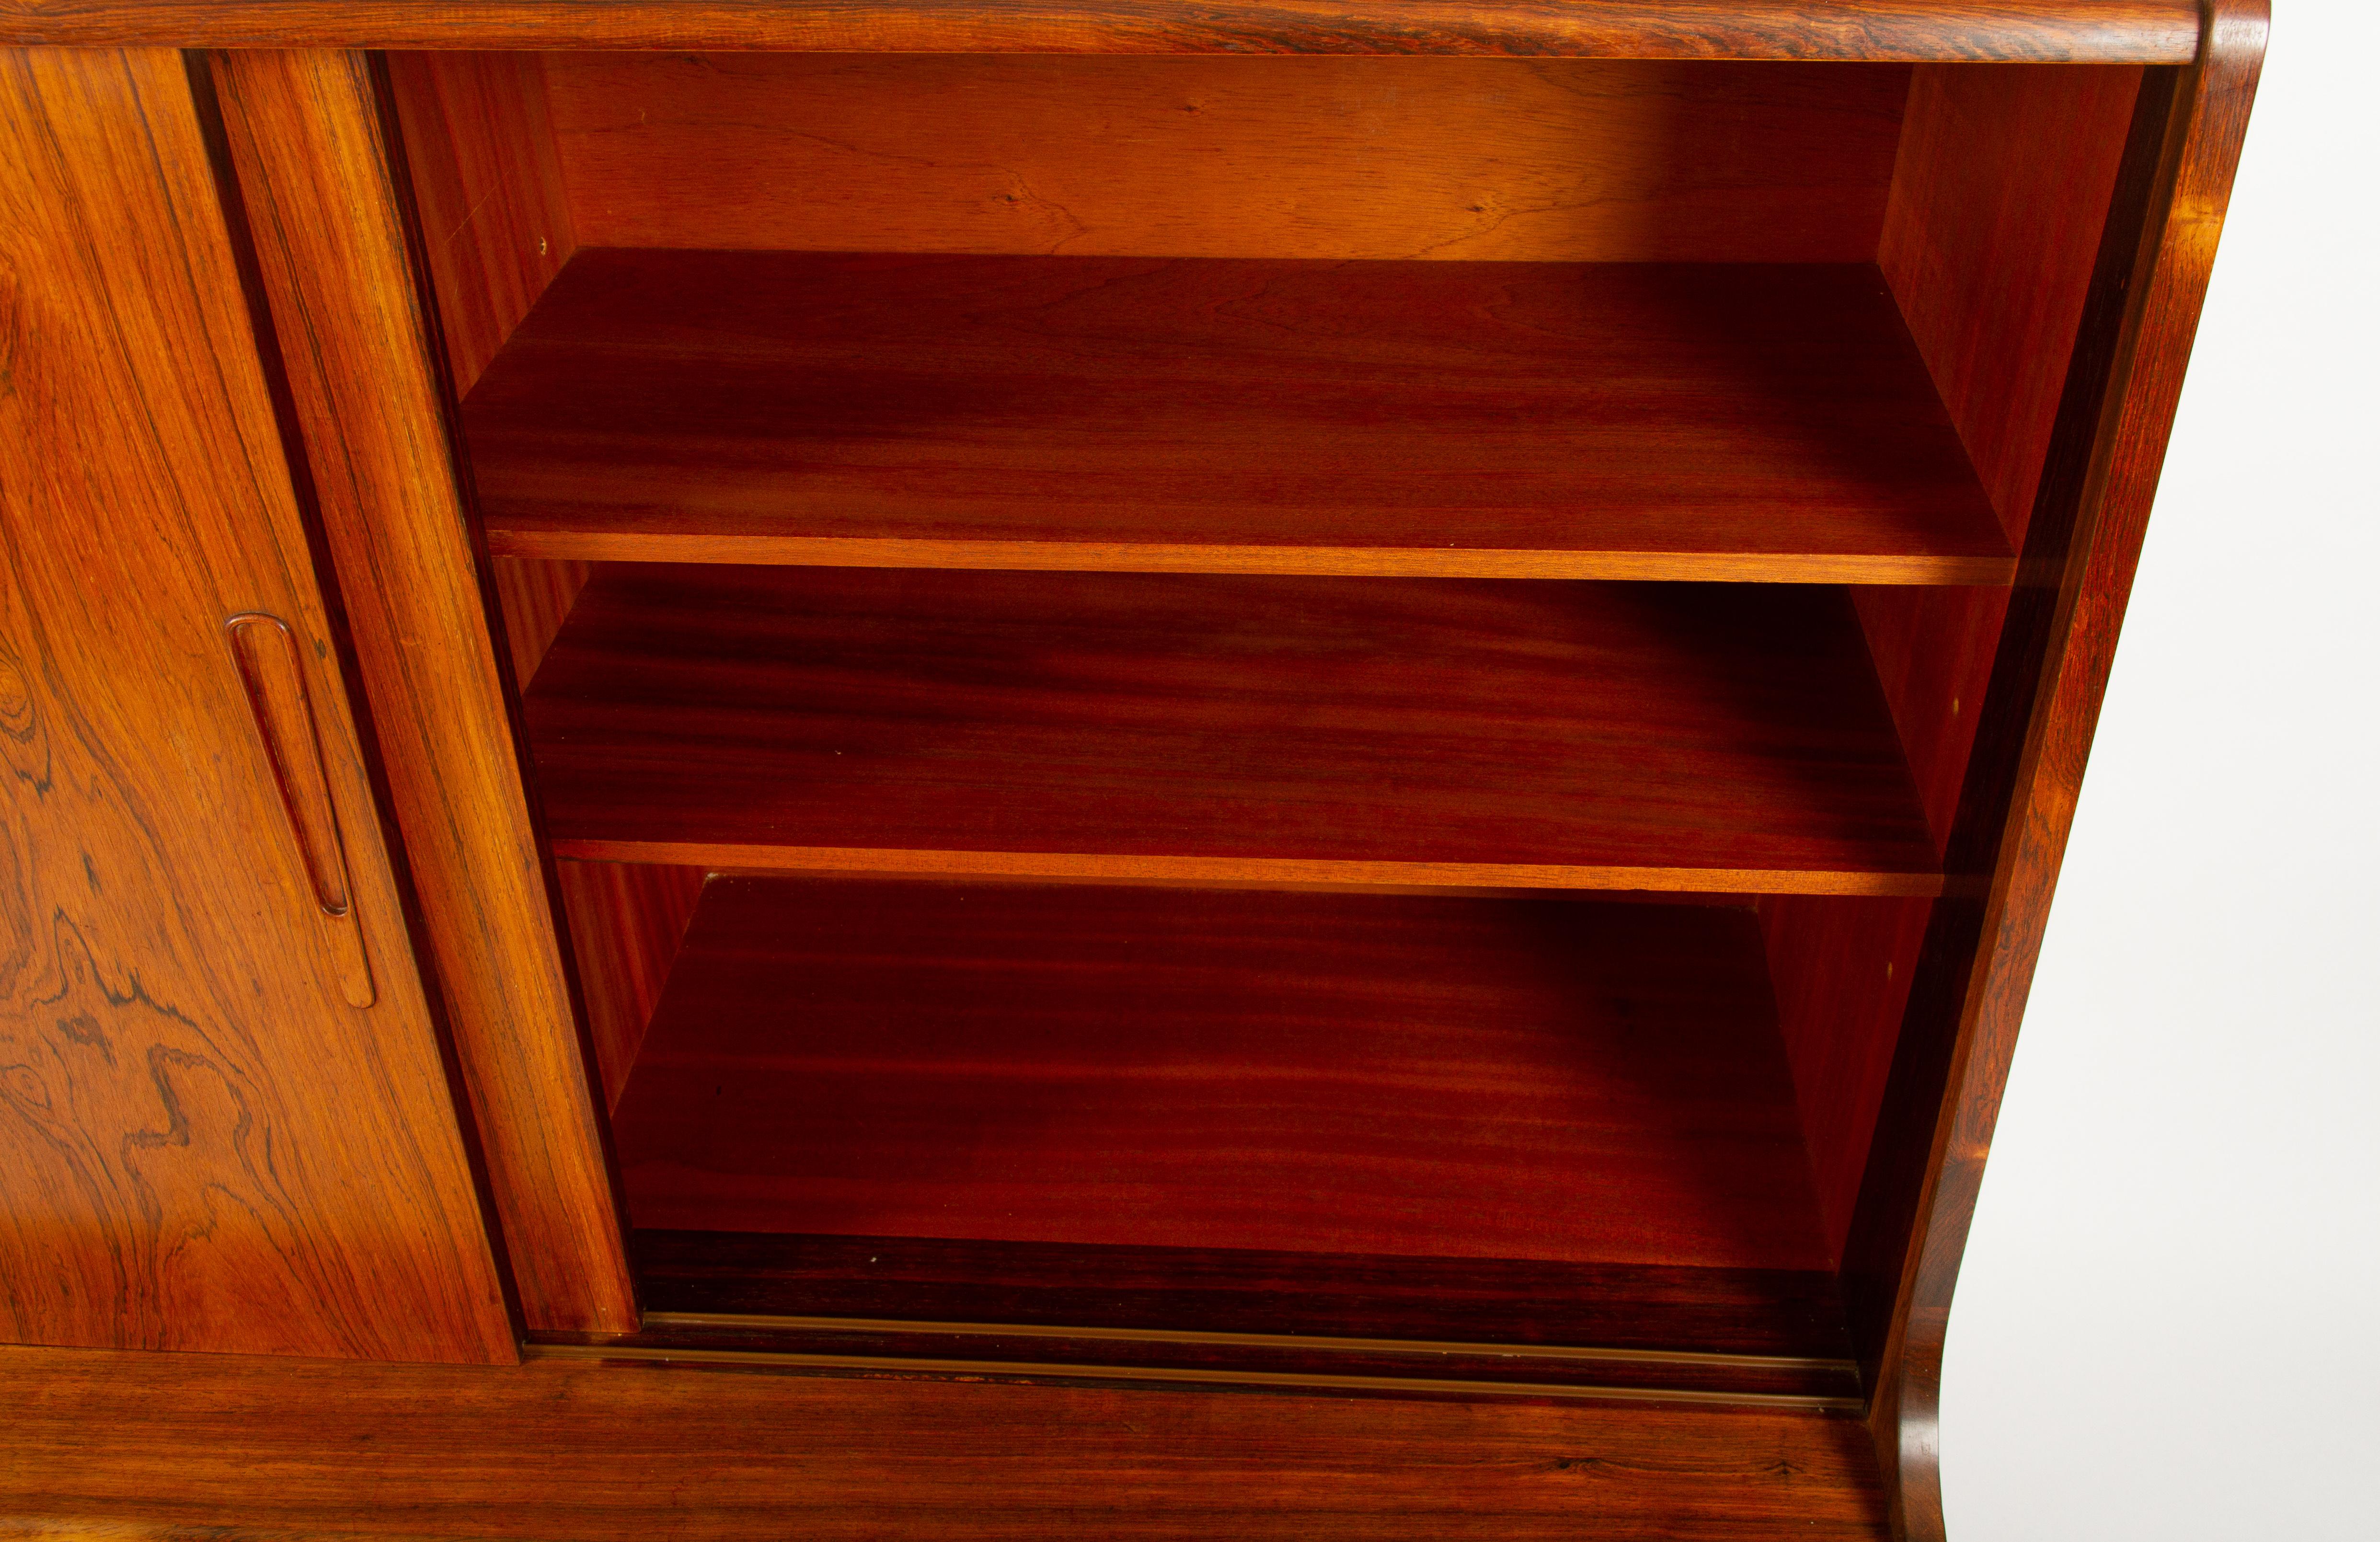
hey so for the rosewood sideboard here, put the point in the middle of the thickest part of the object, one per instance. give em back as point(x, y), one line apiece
point(1045, 767)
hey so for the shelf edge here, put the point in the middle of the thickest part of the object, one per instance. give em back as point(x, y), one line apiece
point(1067, 557)
point(764, 860)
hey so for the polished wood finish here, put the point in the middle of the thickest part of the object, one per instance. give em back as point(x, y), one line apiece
point(2137, 32)
point(306, 133)
point(1777, 1314)
point(600, 1452)
point(533, 598)
point(1411, 418)
point(1233, 1361)
point(1578, 161)
point(494, 229)
point(224, 1123)
point(1840, 970)
point(1383, 1325)
point(1264, 727)
point(626, 921)
point(1151, 726)
point(1933, 645)
point(487, 185)
point(2081, 548)
point(1536, 1079)
point(1999, 197)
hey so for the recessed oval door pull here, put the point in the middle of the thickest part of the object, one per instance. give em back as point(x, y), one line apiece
point(272, 669)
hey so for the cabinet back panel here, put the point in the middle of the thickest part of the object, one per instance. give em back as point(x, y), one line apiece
point(1321, 157)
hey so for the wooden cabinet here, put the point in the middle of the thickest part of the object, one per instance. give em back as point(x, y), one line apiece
point(1151, 704)
point(225, 1122)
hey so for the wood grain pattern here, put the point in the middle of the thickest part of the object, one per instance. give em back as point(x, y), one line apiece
point(306, 135)
point(2141, 31)
point(533, 598)
point(1576, 161)
point(1932, 646)
point(205, 1143)
point(1999, 199)
point(1208, 1069)
point(1840, 970)
point(1486, 420)
point(626, 921)
point(2082, 549)
point(1788, 1313)
point(1432, 731)
point(496, 222)
point(600, 1454)
point(1232, 1361)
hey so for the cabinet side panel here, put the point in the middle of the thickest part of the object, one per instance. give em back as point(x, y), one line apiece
point(329, 225)
point(626, 921)
point(205, 1142)
point(495, 225)
point(2048, 678)
point(1841, 969)
point(1998, 198)
point(1314, 157)
point(534, 596)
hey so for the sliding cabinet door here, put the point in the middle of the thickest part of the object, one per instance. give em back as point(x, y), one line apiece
point(225, 1120)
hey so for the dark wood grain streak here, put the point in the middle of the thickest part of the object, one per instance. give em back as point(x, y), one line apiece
point(1570, 1082)
point(1415, 419)
point(307, 135)
point(1329, 157)
point(1429, 731)
point(1791, 1313)
point(599, 1453)
point(2137, 31)
point(206, 1141)
point(2048, 680)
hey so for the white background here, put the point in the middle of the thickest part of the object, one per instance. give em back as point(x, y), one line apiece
point(2168, 1325)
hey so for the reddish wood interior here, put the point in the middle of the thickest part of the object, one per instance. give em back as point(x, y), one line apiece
point(1591, 736)
point(1934, 174)
point(1216, 1069)
point(1537, 160)
point(1510, 419)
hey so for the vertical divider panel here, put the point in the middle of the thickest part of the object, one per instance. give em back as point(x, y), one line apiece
point(328, 219)
point(496, 229)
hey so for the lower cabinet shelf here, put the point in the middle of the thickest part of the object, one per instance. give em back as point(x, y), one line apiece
point(1421, 1143)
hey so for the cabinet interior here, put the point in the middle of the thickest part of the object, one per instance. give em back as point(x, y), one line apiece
point(1293, 698)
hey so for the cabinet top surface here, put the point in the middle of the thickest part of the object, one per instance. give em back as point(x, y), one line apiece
point(2105, 31)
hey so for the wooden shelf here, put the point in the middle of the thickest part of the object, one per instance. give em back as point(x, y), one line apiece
point(1472, 419)
point(1155, 727)
point(1577, 1084)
